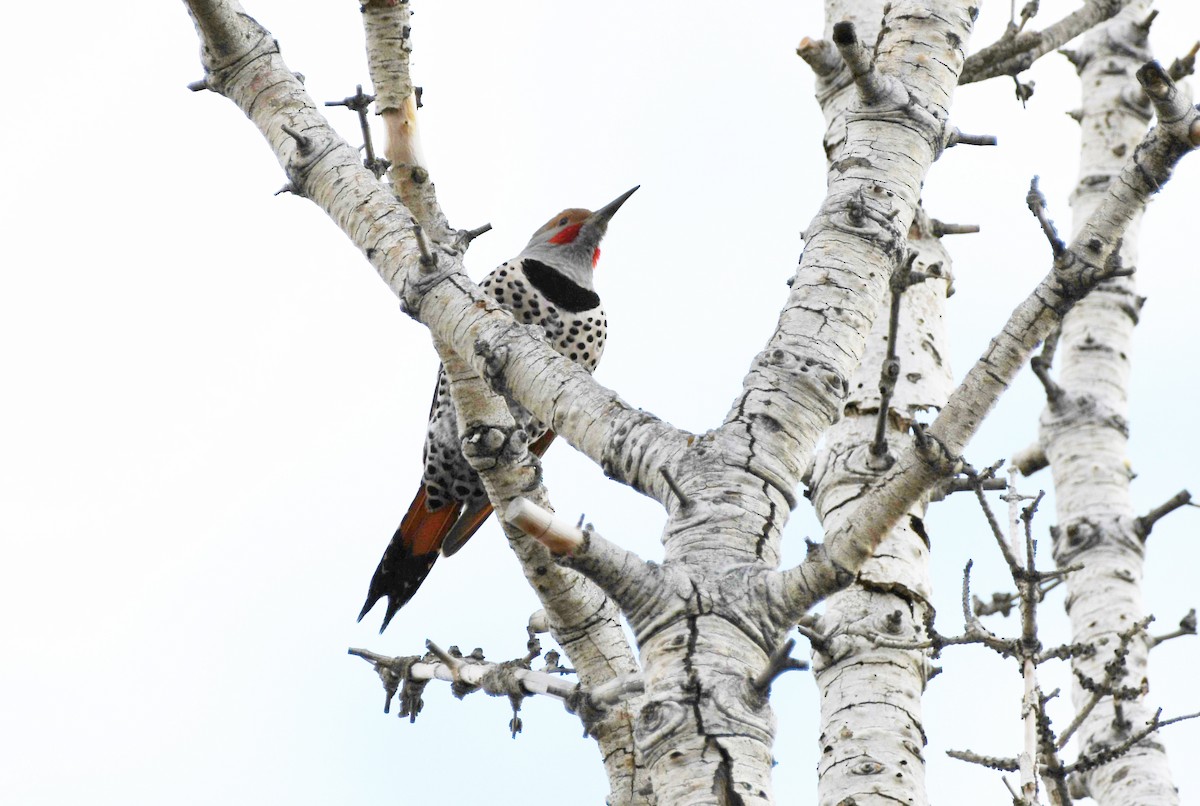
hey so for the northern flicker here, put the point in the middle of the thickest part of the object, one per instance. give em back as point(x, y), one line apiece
point(548, 284)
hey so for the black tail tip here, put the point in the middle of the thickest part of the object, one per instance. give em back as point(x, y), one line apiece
point(387, 618)
point(393, 607)
point(367, 605)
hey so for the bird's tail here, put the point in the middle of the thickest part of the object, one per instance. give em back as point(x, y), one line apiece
point(422, 535)
point(410, 556)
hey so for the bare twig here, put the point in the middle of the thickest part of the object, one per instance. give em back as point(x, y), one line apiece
point(455, 665)
point(359, 103)
point(1041, 363)
point(1002, 763)
point(1187, 626)
point(962, 484)
point(781, 661)
point(1107, 754)
point(889, 370)
point(941, 228)
point(428, 258)
point(684, 501)
point(467, 236)
point(955, 137)
point(473, 673)
point(1145, 523)
point(1114, 670)
point(1003, 602)
point(1184, 66)
point(1014, 565)
point(818, 640)
point(1037, 205)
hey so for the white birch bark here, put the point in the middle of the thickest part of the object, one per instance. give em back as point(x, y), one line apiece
point(871, 746)
point(1084, 432)
point(705, 736)
point(1087, 261)
point(707, 619)
point(1018, 51)
point(871, 734)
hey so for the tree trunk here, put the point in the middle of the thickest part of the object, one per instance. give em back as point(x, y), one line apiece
point(1085, 431)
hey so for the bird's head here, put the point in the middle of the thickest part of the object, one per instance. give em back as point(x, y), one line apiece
point(570, 242)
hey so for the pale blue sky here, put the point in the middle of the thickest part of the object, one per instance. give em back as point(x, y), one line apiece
point(213, 408)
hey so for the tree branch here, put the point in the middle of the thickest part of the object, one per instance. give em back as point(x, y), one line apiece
point(512, 678)
point(1015, 52)
point(630, 444)
point(1146, 522)
point(632, 582)
point(1087, 262)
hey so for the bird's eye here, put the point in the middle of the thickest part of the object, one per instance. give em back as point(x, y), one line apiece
point(562, 221)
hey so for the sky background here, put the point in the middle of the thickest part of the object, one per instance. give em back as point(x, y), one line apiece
point(213, 410)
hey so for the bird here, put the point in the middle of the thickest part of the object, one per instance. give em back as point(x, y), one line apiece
point(549, 284)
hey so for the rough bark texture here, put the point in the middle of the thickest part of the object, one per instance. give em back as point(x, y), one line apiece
point(1090, 259)
point(871, 746)
point(718, 612)
point(709, 617)
point(871, 736)
point(1084, 432)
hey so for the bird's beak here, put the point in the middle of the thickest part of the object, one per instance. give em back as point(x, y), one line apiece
point(600, 217)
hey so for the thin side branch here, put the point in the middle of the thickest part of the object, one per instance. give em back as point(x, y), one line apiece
point(871, 85)
point(474, 674)
point(820, 56)
point(1037, 205)
point(552, 531)
point(618, 572)
point(1187, 626)
point(955, 137)
point(781, 661)
point(1016, 52)
point(889, 371)
point(1147, 521)
point(359, 103)
point(941, 228)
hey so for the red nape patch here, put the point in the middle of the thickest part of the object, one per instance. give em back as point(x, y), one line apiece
point(567, 235)
point(595, 257)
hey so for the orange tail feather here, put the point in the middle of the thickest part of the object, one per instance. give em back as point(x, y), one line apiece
point(410, 555)
point(421, 530)
point(542, 443)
